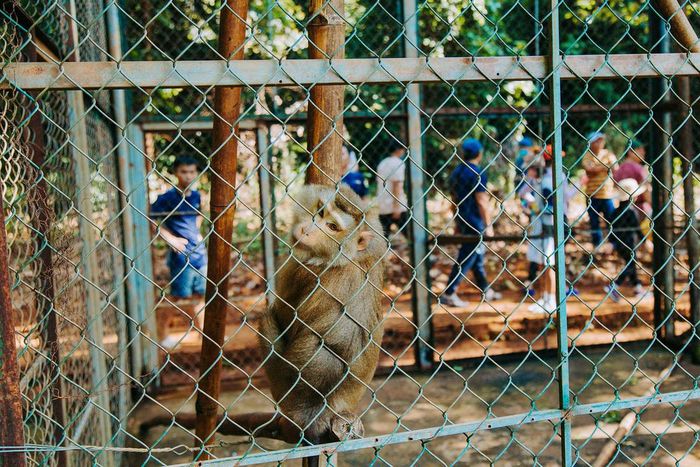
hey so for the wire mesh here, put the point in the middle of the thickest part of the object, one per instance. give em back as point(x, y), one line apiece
point(508, 334)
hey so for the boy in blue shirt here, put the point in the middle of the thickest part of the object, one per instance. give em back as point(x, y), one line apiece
point(468, 184)
point(179, 209)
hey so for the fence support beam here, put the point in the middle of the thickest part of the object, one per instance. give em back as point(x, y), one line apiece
point(145, 315)
point(42, 219)
point(318, 73)
point(420, 259)
point(224, 163)
point(662, 182)
point(558, 175)
point(684, 33)
point(691, 228)
point(325, 115)
point(129, 243)
point(267, 214)
point(94, 307)
point(11, 427)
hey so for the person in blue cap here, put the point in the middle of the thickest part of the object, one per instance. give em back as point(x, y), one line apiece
point(468, 186)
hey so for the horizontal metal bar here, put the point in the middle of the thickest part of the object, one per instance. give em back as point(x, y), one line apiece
point(248, 121)
point(449, 430)
point(192, 125)
point(205, 73)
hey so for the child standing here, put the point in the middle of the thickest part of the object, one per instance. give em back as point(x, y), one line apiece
point(529, 184)
point(179, 209)
point(627, 237)
point(541, 249)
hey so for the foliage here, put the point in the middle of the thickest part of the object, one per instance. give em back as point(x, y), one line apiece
point(186, 29)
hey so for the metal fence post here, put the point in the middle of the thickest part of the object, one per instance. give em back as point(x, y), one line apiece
point(145, 325)
point(558, 175)
point(122, 153)
point(662, 182)
point(93, 313)
point(222, 208)
point(691, 232)
point(11, 424)
point(684, 33)
point(42, 218)
point(267, 214)
point(94, 325)
point(420, 259)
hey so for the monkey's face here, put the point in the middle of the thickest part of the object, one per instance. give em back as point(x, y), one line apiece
point(325, 231)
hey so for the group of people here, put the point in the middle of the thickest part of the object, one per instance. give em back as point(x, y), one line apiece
point(607, 183)
point(626, 183)
point(615, 193)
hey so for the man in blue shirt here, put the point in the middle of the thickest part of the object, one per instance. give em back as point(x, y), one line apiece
point(468, 185)
point(179, 208)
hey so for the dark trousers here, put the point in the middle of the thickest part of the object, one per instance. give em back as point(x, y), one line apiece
point(629, 270)
point(598, 208)
point(532, 271)
point(468, 259)
point(387, 221)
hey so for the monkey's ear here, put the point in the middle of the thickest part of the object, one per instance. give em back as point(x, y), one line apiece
point(363, 240)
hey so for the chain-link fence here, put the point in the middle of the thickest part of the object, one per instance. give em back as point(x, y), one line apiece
point(385, 232)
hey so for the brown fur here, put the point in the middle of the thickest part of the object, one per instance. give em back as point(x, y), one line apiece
point(323, 331)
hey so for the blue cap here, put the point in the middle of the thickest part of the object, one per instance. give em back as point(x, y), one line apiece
point(595, 136)
point(525, 142)
point(471, 148)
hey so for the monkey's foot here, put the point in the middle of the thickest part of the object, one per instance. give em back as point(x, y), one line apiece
point(346, 425)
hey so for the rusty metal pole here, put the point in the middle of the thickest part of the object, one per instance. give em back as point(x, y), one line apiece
point(224, 161)
point(10, 397)
point(325, 115)
point(681, 28)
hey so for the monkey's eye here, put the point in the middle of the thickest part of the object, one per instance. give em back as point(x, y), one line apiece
point(321, 212)
point(333, 227)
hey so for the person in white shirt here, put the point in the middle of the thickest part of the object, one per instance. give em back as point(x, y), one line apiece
point(391, 197)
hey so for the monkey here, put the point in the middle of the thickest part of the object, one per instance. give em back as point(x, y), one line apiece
point(321, 334)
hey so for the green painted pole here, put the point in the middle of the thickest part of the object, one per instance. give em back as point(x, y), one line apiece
point(555, 64)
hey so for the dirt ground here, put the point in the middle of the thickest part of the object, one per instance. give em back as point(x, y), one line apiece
point(469, 392)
